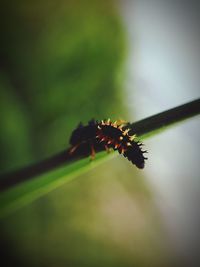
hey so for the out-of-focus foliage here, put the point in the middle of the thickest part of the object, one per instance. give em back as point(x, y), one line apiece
point(25, 192)
point(104, 218)
point(61, 62)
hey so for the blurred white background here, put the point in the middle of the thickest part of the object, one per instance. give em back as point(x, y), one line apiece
point(163, 71)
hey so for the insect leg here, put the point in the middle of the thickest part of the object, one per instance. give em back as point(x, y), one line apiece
point(92, 152)
point(71, 151)
point(107, 148)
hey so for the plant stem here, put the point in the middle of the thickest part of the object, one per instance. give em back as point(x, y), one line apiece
point(142, 128)
point(166, 118)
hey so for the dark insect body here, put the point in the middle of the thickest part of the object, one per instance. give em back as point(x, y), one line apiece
point(106, 135)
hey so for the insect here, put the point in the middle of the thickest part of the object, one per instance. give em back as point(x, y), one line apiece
point(106, 135)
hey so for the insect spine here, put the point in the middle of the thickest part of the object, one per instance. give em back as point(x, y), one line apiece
point(108, 135)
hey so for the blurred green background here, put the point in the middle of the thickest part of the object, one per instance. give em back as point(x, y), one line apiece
point(62, 62)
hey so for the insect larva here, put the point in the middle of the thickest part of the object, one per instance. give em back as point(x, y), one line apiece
point(106, 135)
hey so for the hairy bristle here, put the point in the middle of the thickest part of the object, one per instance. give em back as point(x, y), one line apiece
point(107, 134)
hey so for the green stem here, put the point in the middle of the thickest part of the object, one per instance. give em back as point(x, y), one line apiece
point(164, 119)
point(142, 128)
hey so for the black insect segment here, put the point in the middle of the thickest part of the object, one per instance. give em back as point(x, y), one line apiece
point(106, 135)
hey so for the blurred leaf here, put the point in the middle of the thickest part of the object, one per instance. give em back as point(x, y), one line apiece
point(37, 186)
point(15, 131)
point(27, 191)
point(58, 57)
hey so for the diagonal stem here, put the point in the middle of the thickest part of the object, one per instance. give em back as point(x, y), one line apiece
point(142, 128)
point(166, 118)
